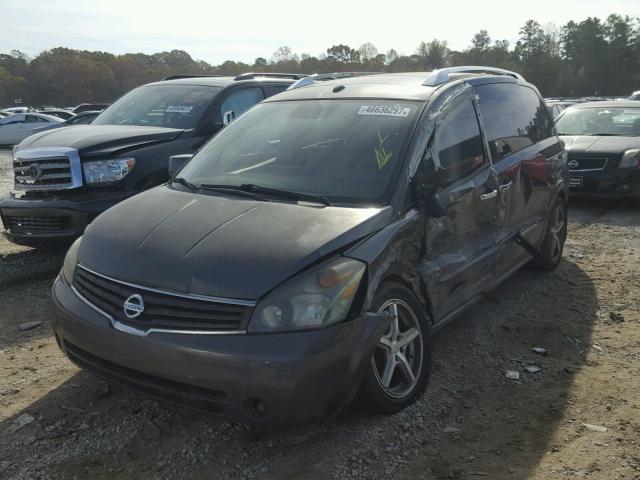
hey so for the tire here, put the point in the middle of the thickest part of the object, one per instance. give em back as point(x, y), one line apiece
point(387, 386)
point(554, 238)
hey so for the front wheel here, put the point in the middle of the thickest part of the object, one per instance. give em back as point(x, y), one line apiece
point(553, 242)
point(400, 367)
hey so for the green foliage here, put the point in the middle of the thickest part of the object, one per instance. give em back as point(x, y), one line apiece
point(592, 57)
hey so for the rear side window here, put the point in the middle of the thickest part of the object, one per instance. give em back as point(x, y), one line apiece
point(239, 101)
point(514, 118)
point(458, 143)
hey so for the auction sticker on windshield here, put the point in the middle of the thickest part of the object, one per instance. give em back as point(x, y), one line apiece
point(178, 108)
point(389, 110)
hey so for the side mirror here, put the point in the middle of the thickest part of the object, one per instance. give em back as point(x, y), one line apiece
point(228, 117)
point(425, 186)
point(177, 163)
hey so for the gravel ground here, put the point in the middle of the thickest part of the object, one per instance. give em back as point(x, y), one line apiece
point(579, 416)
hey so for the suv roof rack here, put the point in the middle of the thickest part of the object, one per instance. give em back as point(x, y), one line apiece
point(309, 79)
point(441, 76)
point(335, 75)
point(186, 75)
point(252, 75)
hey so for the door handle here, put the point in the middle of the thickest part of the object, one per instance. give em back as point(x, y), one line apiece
point(506, 186)
point(491, 194)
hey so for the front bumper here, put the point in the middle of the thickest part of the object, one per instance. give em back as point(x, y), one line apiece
point(29, 221)
point(604, 183)
point(277, 378)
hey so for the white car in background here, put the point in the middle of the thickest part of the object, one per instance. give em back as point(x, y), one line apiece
point(15, 128)
point(16, 110)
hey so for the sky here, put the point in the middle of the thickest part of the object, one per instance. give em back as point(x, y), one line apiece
point(243, 30)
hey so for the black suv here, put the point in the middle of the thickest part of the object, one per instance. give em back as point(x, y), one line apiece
point(306, 253)
point(68, 176)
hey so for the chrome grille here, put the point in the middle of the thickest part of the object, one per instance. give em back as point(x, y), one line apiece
point(581, 164)
point(163, 311)
point(47, 169)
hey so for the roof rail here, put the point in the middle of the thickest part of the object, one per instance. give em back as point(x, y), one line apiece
point(335, 75)
point(186, 75)
point(438, 77)
point(252, 75)
point(309, 79)
point(303, 82)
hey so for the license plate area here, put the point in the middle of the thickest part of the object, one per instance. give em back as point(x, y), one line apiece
point(576, 181)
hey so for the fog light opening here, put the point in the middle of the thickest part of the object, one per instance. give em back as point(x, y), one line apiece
point(256, 406)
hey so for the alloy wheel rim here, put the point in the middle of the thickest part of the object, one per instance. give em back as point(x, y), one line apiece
point(397, 359)
point(557, 231)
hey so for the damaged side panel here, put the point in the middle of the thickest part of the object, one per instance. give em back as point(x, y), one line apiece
point(447, 254)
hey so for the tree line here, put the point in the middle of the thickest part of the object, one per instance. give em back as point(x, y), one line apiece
point(591, 57)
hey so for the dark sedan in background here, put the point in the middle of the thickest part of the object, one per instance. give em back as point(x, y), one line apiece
point(602, 141)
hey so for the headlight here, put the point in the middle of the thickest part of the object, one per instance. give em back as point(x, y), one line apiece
point(630, 159)
point(315, 298)
point(106, 171)
point(70, 261)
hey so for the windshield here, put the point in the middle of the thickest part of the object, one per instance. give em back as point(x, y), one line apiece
point(344, 150)
point(170, 106)
point(600, 121)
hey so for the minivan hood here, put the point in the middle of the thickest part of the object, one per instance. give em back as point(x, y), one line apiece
point(599, 145)
point(217, 245)
point(99, 140)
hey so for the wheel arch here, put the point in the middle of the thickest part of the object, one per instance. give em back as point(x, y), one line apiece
point(414, 287)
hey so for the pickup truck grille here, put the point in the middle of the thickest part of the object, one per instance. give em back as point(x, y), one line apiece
point(165, 311)
point(47, 169)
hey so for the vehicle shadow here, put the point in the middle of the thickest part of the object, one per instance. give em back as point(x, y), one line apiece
point(593, 210)
point(472, 418)
point(25, 303)
point(28, 265)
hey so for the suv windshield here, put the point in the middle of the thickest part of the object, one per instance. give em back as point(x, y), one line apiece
point(600, 121)
point(170, 106)
point(344, 150)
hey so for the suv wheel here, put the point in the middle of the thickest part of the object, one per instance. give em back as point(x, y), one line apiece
point(553, 243)
point(401, 364)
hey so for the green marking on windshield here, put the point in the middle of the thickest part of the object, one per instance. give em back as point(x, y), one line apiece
point(382, 154)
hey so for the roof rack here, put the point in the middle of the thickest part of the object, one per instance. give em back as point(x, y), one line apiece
point(438, 77)
point(183, 75)
point(252, 75)
point(309, 79)
point(335, 75)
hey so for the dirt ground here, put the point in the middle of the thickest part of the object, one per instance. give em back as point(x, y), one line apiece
point(578, 417)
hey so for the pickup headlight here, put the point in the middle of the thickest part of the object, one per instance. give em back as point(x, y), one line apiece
point(630, 159)
point(70, 261)
point(316, 298)
point(107, 171)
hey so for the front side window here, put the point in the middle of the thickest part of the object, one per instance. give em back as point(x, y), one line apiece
point(514, 118)
point(170, 106)
point(600, 121)
point(346, 150)
point(239, 101)
point(458, 143)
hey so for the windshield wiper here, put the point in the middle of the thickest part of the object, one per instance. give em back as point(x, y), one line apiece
point(250, 187)
point(184, 182)
point(233, 189)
